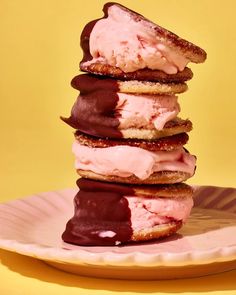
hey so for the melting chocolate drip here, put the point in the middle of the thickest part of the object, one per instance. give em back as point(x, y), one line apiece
point(102, 215)
point(84, 40)
point(85, 36)
point(93, 112)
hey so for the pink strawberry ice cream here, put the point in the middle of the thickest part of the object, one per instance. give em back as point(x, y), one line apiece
point(147, 212)
point(132, 45)
point(146, 111)
point(124, 161)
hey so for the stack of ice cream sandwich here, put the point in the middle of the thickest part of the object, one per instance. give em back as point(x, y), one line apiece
point(129, 140)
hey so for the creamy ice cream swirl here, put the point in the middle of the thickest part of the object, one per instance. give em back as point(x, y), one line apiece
point(124, 161)
point(121, 41)
point(146, 111)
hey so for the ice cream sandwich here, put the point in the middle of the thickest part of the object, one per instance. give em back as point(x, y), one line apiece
point(126, 109)
point(133, 162)
point(112, 214)
point(123, 41)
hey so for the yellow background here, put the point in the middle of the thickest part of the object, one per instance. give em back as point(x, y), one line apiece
point(40, 54)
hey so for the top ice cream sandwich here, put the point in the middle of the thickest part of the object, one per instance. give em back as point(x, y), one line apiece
point(135, 48)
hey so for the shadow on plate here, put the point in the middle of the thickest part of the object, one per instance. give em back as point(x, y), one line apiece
point(33, 268)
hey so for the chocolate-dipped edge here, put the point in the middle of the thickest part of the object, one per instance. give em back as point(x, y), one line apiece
point(102, 215)
point(93, 111)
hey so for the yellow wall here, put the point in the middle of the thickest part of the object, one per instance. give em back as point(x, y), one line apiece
point(40, 54)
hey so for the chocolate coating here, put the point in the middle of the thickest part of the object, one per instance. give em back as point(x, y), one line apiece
point(85, 36)
point(102, 215)
point(84, 40)
point(93, 112)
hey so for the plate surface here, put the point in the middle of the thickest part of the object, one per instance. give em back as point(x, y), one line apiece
point(205, 245)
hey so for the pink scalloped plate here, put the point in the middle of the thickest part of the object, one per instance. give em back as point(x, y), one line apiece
point(206, 245)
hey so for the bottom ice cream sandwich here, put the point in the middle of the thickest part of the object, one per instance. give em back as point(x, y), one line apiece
point(112, 214)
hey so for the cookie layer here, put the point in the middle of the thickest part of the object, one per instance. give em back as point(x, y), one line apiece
point(177, 190)
point(164, 177)
point(172, 127)
point(140, 87)
point(157, 232)
point(169, 143)
point(139, 75)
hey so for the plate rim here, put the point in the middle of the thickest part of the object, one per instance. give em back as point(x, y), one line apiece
point(110, 258)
